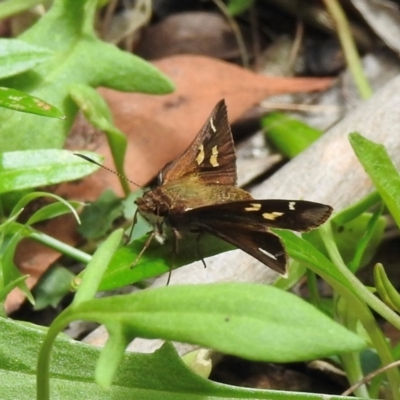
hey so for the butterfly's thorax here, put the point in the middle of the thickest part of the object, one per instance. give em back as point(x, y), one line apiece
point(192, 195)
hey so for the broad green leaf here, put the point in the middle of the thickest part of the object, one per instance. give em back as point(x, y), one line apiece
point(289, 136)
point(158, 259)
point(32, 168)
point(79, 57)
point(381, 170)
point(161, 375)
point(17, 56)
point(252, 321)
point(23, 102)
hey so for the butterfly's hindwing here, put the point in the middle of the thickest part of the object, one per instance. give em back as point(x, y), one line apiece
point(264, 245)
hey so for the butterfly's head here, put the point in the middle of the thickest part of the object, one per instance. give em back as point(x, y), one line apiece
point(153, 203)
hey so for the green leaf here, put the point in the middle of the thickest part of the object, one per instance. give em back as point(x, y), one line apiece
point(96, 267)
point(32, 168)
point(289, 136)
point(158, 259)
point(385, 288)
point(236, 7)
point(348, 236)
point(161, 375)
point(303, 251)
point(52, 287)
point(23, 102)
point(98, 217)
point(17, 56)
point(79, 57)
point(10, 276)
point(381, 170)
point(238, 319)
point(53, 210)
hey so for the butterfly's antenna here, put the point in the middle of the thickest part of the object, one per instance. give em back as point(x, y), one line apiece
point(107, 169)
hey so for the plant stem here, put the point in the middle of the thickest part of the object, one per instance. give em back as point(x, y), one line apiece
point(349, 47)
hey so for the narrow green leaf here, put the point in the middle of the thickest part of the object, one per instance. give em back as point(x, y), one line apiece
point(23, 102)
point(289, 136)
point(238, 319)
point(381, 170)
point(385, 288)
point(303, 251)
point(95, 269)
point(10, 275)
point(53, 210)
point(32, 168)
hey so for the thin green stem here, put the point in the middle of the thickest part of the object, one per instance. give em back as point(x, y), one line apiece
point(355, 299)
point(358, 288)
point(356, 209)
point(60, 246)
point(349, 47)
point(236, 31)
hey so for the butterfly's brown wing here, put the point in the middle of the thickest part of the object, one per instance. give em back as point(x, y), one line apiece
point(211, 157)
point(265, 246)
point(246, 224)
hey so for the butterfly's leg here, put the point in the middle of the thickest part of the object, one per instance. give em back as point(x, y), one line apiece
point(175, 237)
point(146, 245)
point(132, 228)
point(198, 250)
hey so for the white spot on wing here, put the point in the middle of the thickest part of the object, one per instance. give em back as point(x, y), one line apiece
point(292, 205)
point(214, 129)
point(267, 253)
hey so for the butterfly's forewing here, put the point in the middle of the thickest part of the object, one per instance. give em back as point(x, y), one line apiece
point(211, 157)
point(296, 215)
